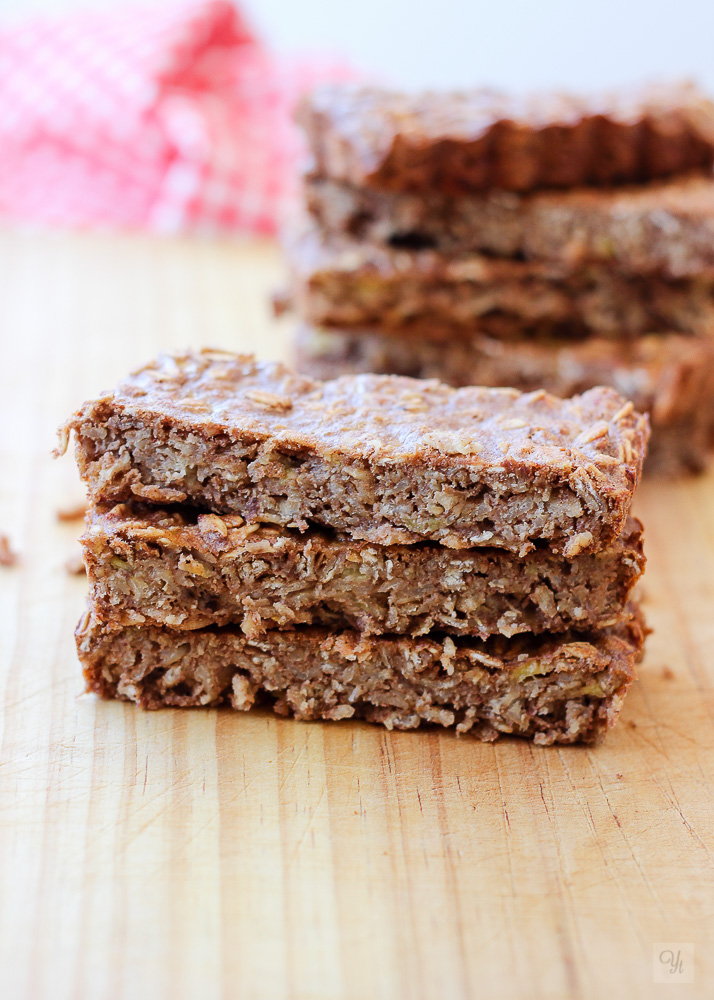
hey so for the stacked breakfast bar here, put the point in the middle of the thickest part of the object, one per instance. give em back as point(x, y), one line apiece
point(553, 243)
point(376, 547)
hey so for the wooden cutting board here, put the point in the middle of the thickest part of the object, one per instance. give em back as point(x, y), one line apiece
point(210, 854)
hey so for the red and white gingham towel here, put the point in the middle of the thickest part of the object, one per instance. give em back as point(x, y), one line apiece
point(167, 118)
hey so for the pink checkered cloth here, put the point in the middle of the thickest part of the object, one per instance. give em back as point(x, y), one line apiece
point(166, 118)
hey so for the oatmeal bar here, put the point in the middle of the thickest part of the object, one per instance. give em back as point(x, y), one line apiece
point(668, 376)
point(187, 570)
point(664, 228)
point(380, 458)
point(481, 139)
point(342, 282)
point(551, 689)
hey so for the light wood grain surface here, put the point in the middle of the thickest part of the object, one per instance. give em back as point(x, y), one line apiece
point(210, 854)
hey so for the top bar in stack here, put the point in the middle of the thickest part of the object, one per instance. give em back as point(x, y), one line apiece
point(476, 140)
point(386, 459)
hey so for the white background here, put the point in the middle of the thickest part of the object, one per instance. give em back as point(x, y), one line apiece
point(511, 44)
point(517, 45)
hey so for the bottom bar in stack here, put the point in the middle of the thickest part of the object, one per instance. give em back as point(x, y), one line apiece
point(553, 689)
point(668, 375)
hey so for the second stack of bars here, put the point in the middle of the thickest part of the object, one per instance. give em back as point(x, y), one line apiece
point(555, 242)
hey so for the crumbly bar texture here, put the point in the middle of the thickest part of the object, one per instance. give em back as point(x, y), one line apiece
point(340, 281)
point(560, 689)
point(668, 376)
point(665, 227)
point(186, 570)
point(379, 458)
point(478, 140)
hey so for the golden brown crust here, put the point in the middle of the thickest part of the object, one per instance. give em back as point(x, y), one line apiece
point(385, 459)
point(478, 140)
point(562, 689)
